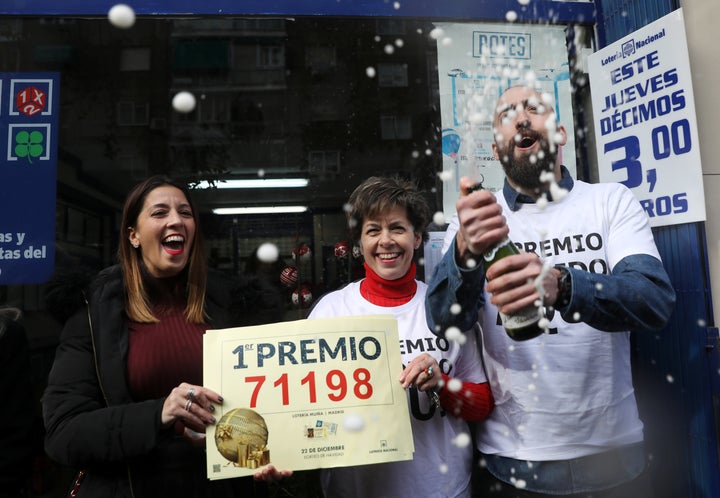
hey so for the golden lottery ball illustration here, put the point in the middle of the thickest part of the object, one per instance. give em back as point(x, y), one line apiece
point(241, 437)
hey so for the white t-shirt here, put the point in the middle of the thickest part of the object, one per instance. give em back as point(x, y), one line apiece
point(570, 393)
point(439, 467)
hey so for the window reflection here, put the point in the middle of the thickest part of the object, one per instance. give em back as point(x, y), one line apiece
point(324, 99)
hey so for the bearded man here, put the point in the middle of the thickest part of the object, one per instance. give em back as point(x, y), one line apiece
point(565, 420)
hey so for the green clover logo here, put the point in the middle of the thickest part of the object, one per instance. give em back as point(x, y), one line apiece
point(29, 144)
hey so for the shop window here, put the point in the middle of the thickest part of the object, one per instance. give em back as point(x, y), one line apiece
point(214, 109)
point(433, 79)
point(270, 56)
point(395, 127)
point(390, 27)
point(324, 163)
point(201, 54)
point(133, 114)
point(320, 59)
point(11, 29)
point(392, 75)
point(135, 59)
point(137, 166)
point(262, 25)
point(9, 59)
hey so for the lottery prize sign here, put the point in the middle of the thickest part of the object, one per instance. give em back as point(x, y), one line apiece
point(645, 126)
point(306, 394)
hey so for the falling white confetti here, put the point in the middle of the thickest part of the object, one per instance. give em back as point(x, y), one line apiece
point(261, 173)
point(389, 49)
point(370, 71)
point(399, 43)
point(444, 468)
point(445, 176)
point(462, 440)
point(511, 16)
point(436, 33)
point(353, 423)
point(121, 16)
point(396, 5)
point(523, 2)
point(477, 118)
point(268, 252)
point(183, 102)
point(670, 379)
point(454, 334)
point(439, 218)
point(518, 483)
point(557, 192)
point(576, 316)
point(454, 385)
point(455, 309)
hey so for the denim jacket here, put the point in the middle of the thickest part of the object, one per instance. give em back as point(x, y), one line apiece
point(637, 295)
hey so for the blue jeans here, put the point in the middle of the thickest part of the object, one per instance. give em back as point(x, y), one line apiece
point(613, 474)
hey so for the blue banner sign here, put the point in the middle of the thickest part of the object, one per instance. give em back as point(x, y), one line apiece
point(645, 127)
point(29, 105)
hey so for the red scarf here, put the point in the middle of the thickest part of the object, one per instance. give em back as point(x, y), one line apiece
point(381, 292)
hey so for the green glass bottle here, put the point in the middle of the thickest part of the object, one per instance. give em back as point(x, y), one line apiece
point(524, 324)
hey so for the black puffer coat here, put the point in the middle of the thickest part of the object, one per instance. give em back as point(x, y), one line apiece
point(93, 423)
point(17, 421)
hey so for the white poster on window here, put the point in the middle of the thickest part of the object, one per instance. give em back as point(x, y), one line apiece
point(476, 63)
point(645, 126)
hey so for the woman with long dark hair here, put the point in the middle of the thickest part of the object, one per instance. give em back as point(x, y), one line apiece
point(125, 402)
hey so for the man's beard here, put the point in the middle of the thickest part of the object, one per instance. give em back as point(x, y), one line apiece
point(526, 173)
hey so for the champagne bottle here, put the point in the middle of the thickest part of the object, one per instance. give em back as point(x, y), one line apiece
point(523, 324)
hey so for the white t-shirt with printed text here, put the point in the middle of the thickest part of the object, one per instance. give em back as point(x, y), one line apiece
point(439, 467)
point(569, 393)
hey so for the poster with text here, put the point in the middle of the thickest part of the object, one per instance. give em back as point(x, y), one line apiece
point(645, 126)
point(476, 63)
point(29, 106)
point(306, 394)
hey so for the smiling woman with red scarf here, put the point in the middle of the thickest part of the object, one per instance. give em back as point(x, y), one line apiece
point(445, 382)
